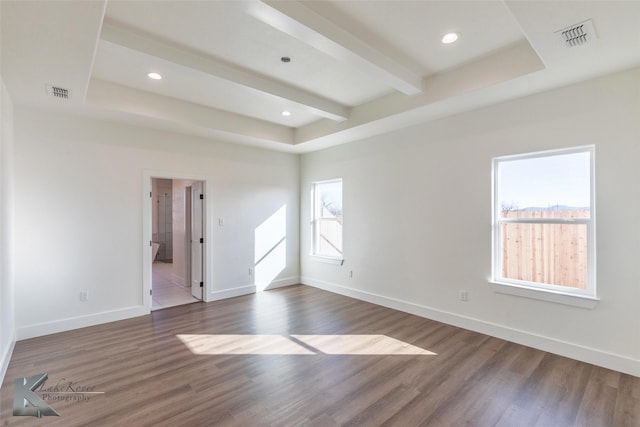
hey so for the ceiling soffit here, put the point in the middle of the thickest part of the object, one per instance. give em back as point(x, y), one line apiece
point(356, 69)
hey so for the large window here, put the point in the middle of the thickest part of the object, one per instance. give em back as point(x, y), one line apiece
point(326, 221)
point(543, 221)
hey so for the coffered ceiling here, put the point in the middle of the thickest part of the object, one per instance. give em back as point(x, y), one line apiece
point(343, 70)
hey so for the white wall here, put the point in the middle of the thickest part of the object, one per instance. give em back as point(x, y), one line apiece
point(7, 310)
point(79, 214)
point(417, 218)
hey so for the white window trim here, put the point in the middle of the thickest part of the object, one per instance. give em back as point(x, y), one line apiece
point(327, 259)
point(586, 298)
point(548, 295)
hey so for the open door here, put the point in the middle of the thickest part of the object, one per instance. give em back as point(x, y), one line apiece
point(197, 239)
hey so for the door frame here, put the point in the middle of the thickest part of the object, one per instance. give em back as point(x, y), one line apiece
point(187, 234)
point(196, 224)
point(147, 230)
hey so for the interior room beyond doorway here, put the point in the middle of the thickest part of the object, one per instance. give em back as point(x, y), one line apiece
point(171, 237)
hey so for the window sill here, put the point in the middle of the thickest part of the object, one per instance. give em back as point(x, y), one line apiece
point(327, 260)
point(545, 295)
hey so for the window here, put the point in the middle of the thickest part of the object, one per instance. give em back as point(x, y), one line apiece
point(326, 199)
point(543, 221)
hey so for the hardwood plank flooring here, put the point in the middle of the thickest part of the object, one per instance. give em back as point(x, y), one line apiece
point(272, 368)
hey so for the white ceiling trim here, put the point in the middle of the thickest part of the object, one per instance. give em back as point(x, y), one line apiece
point(318, 105)
point(115, 97)
point(502, 66)
point(297, 20)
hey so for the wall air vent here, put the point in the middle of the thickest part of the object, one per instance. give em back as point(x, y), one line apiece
point(579, 34)
point(58, 92)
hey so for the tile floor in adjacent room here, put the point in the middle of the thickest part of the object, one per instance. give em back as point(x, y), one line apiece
point(168, 290)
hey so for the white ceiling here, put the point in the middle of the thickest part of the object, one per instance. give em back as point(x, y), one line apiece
point(358, 68)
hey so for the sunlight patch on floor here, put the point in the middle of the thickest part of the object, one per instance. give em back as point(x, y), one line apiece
point(361, 345)
point(241, 344)
point(298, 345)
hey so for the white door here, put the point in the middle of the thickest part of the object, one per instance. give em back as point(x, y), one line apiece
point(197, 239)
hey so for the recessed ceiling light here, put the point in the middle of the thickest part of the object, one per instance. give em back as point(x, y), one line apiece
point(450, 38)
point(154, 76)
point(286, 113)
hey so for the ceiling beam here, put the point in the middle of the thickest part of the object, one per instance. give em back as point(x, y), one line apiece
point(121, 99)
point(297, 20)
point(318, 105)
point(503, 75)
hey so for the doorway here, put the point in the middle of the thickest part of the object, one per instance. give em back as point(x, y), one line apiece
point(177, 236)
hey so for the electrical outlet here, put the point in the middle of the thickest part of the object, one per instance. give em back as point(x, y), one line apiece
point(464, 296)
point(351, 274)
point(220, 222)
point(84, 296)
point(250, 271)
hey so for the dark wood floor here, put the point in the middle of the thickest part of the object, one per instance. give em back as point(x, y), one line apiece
point(269, 371)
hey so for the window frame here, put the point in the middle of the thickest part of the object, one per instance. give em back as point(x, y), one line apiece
point(547, 292)
point(317, 219)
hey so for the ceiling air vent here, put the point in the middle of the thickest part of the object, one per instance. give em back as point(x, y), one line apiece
point(579, 34)
point(58, 92)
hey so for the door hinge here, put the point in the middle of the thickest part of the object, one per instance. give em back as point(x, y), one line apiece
point(150, 291)
point(202, 197)
point(202, 284)
point(201, 240)
point(150, 194)
point(150, 243)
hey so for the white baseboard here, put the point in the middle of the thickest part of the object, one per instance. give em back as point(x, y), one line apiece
point(251, 289)
point(281, 283)
point(6, 356)
point(47, 328)
point(231, 293)
point(574, 351)
point(63, 325)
